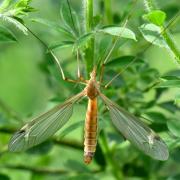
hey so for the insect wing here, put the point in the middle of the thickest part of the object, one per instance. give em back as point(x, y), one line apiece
point(42, 127)
point(137, 132)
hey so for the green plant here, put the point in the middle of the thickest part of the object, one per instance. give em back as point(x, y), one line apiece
point(139, 87)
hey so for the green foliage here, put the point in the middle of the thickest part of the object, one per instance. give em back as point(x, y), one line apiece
point(6, 35)
point(147, 86)
point(152, 34)
point(13, 11)
point(170, 82)
point(123, 61)
point(156, 17)
point(119, 31)
point(173, 126)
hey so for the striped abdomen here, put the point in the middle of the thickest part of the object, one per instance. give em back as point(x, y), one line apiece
point(90, 137)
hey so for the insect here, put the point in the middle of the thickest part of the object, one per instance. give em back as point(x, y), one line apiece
point(44, 126)
point(134, 130)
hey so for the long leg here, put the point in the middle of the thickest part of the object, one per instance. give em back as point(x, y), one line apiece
point(79, 80)
point(115, 42)
point(80, 77)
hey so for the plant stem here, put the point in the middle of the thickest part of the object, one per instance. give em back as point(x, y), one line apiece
point(114, 168)
point(108, 11)
point(89, 51)
point(172, 45)
point(150, 6)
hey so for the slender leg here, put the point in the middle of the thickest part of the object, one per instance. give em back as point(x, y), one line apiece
point(110, 52)
point(101, 73)
point(78, 66)
point(115, 43)
point(80, 77)
point(80, 80)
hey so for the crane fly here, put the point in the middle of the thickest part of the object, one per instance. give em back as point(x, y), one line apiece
point(133, 129)
point(44, 126)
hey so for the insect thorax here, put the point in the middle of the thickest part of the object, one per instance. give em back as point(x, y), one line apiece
point(92, 89)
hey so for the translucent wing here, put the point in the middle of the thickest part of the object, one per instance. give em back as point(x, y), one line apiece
point(42, 127)
point(137, 132)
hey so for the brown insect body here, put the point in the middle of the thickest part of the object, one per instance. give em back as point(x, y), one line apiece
point(90, 134)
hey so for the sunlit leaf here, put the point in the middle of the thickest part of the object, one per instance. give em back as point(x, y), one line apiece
point(5, 4)
point(16, 9)
point(152, 34)
point(15, 22)
point(118, 31)
point(6, 35)
point(156, 17)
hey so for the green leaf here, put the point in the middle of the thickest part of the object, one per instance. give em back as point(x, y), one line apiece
point(169, 84)
point(71, 128)
point(122, 61)
point(18, 8)
point(156, 117)
point(170, 77)
point(118, 31)
point(52, 25)
point(82, 41)
point(96, 20)
point(5, 4)
point(152, 34)
point(174, 126)
point(170, 106)
point(42, 148)
point(15, 22)
point(6, 35)
point(69, 16)
point(63, 44)
point(156, 17)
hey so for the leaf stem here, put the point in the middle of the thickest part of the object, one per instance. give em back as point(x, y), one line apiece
point(172, 45)
point(150, 6)
point(89, 51)
point(108, 11)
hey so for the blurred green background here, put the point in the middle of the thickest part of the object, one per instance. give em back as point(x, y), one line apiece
point(30, 85)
